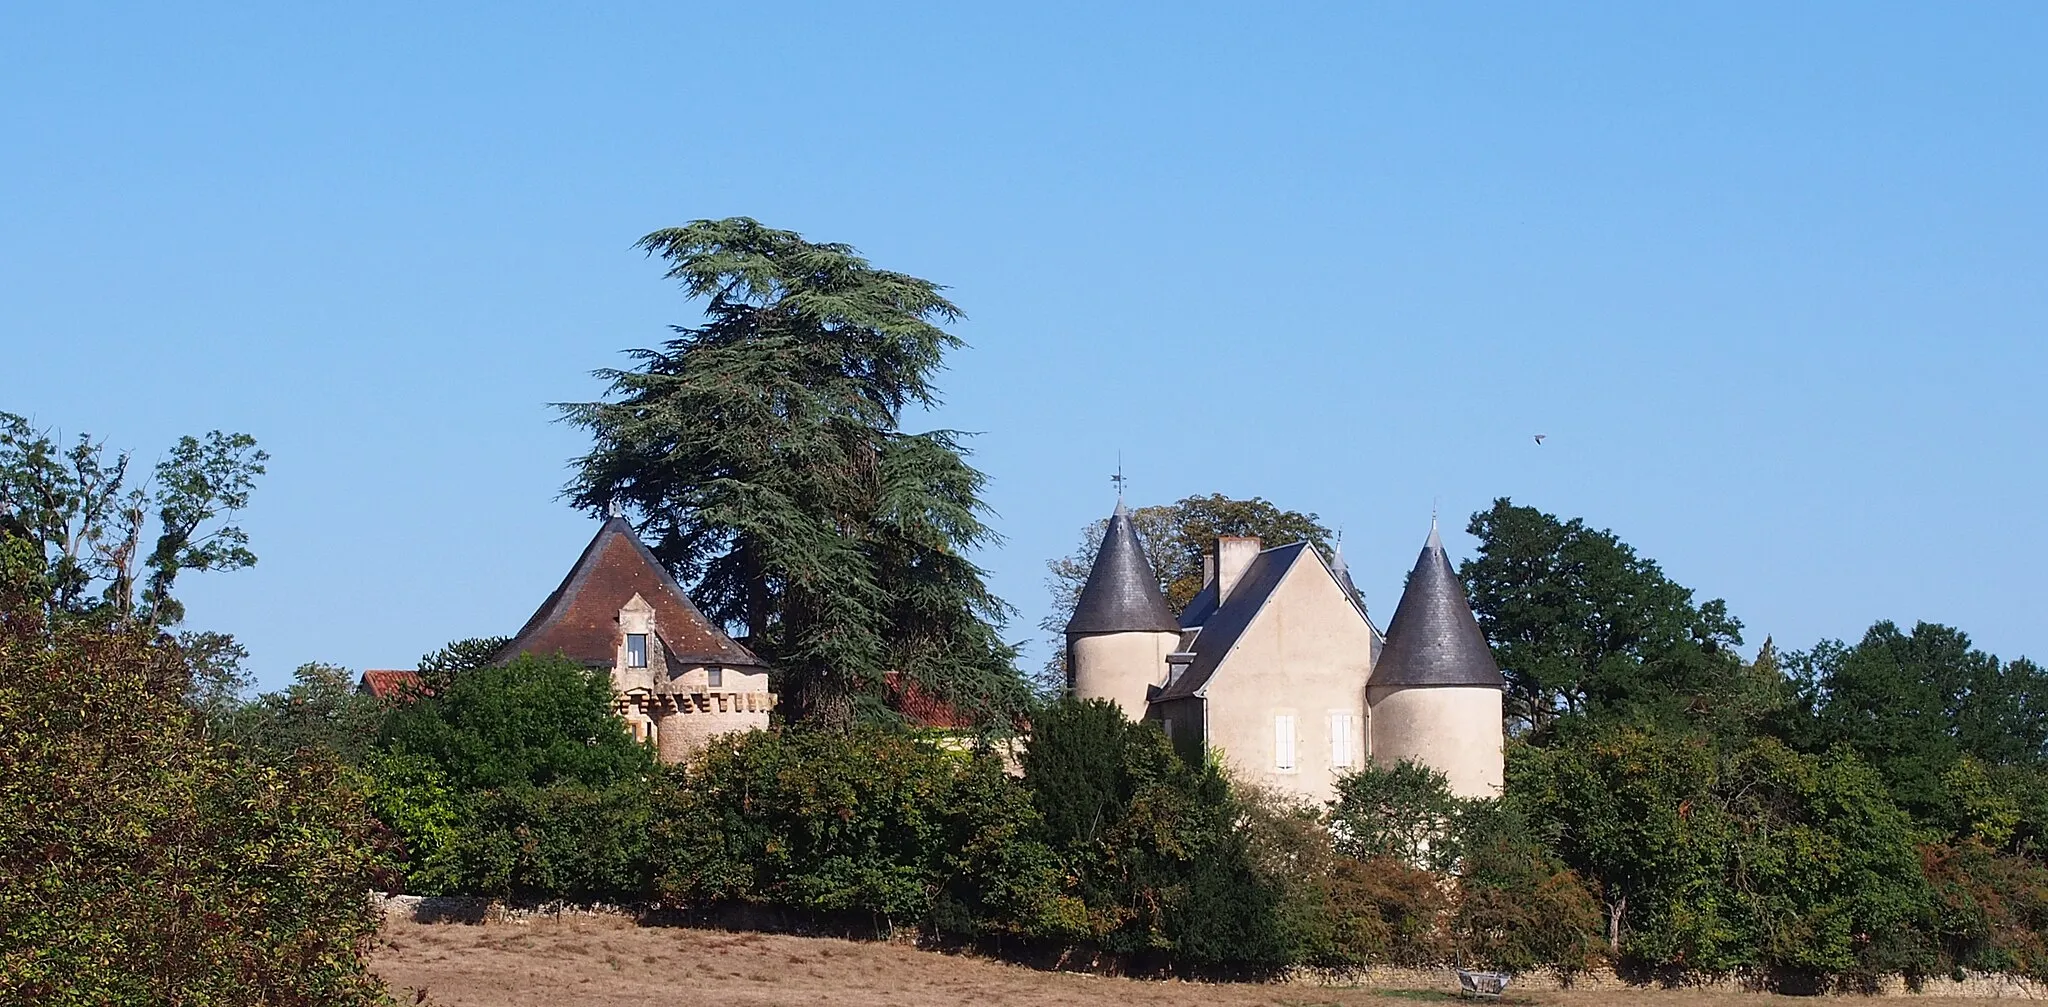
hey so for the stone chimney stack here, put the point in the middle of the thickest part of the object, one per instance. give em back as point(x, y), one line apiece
point(1208, 567)
point(1233, 555)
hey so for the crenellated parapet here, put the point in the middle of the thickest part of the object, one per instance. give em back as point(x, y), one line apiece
point(657, 705)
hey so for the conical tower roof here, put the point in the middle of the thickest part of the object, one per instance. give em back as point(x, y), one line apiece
point(1122, 593)
point(1434, 639)
point(1342, 571)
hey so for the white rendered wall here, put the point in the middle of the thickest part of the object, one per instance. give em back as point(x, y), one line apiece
point(1305, 655)
point(1118, 666)
point(1453, 729)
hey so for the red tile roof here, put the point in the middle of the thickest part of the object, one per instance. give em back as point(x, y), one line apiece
point(921, 707)
point(390, 685)
point(580, 620)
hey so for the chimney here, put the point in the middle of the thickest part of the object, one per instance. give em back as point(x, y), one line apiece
point(1208, 567)
point(1233, 555)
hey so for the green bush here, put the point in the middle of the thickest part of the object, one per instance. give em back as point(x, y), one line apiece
point(561, 841)
point(877, 823)
point(1992, 908)
point(534, 721)
point(1403, 812)
point(147, 865)
point(412, 797)
point(1157, 850)
point(517, 781)
point(1517, 906)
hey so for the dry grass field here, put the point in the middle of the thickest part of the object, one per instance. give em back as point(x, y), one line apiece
point(579, 961)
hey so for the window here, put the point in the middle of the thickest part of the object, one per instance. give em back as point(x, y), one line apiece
point(715, 677)
point(636, 650)
point(1166, 727)
point(1342, 754)
point(1283, 742)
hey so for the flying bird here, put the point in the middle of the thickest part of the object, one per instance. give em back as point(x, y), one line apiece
point(1539, 438)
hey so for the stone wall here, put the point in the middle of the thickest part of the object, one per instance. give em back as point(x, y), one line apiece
point(1980, 985)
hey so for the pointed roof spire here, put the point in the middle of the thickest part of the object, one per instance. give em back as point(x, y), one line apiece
point(1434, 638)
point(1341, 568)
point(1122, 593)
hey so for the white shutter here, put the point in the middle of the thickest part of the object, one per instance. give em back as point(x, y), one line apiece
point(1340, 740)
point(1283, 741)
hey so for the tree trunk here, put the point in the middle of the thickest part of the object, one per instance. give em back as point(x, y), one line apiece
point(1615, 910)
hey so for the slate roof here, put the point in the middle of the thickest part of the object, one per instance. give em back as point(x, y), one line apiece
point(1200, 607)
point(1434, 639)
point(1221, 630)
point(580, 620)
point(1122, 593)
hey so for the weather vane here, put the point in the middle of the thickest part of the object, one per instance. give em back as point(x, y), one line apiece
point(1119, 479)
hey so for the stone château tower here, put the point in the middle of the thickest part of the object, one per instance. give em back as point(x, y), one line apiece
point(1435, 692)
point(677, 679)
point(1121, 630)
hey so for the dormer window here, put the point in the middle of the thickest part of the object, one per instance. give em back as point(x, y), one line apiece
point(636, 650)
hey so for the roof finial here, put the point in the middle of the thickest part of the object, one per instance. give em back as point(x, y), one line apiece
point(1119, 479)
point(1435, 542)
point(613, 508)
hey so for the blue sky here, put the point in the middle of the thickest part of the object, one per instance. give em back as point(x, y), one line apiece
point(1768, 277)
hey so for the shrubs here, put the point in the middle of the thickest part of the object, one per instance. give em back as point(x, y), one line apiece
point(517, 780)
point(1518, 907)
point(562, 841)
point(884, 824)
point(535, 721)
point(1151, 845)
point(1992, 908)
point(1508, 904)
point(1690, 856)
point(145, 864)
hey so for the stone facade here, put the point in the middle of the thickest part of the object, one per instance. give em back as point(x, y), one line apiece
point(680, 681)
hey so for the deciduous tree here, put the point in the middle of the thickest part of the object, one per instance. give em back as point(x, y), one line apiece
point(1914, 703)
point(76, 504)
point(146, 863)
point(1583, 625)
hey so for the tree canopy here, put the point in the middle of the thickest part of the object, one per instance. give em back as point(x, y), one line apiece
point(1914, 704)
point(80, 511)
point(763, 452)
point(1581, 624)
point(148, 863)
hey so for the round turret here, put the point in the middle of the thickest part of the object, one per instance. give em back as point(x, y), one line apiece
point(1435, 692)
point(1121, 629)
